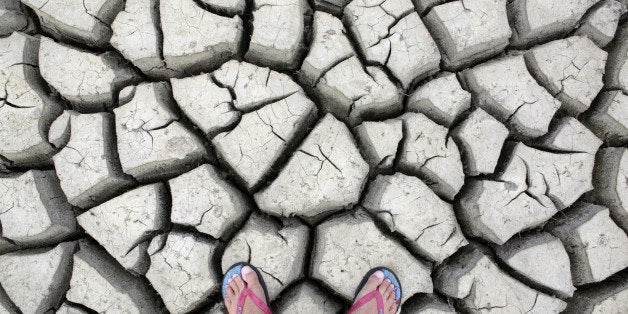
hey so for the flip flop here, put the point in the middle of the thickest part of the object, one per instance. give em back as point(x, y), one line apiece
point(388, 274)
point(236, 269)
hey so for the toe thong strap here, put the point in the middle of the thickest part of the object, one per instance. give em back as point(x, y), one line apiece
point(368, 297)
point(248, 293)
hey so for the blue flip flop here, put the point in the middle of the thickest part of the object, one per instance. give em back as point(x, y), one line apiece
point(236, 269)
point(388, 274)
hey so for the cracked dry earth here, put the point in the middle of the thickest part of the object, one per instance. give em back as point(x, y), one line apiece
point(475, 147)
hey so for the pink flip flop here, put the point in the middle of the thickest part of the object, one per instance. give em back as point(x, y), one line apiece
point(388, 274)
point(236, 269)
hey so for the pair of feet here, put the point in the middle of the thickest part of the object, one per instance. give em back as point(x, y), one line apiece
point(249, 279)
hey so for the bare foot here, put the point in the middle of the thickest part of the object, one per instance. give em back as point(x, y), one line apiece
point(386, 289)
point(234, 289)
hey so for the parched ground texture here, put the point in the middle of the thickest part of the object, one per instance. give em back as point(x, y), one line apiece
point(475, 147)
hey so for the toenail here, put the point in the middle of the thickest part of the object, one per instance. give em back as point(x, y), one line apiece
point(246, 270)
point(388, 281)
point(379, 274)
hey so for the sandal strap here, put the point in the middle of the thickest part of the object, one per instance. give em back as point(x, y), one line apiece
point(246, 292)
point(366, 299)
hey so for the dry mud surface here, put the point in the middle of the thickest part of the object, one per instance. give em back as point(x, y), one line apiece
point(475, 147)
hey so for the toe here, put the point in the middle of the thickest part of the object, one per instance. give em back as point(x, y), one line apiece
point(389, 292)
point(249, 276)
point(230, 293)
point(374, 281)
point(239, 282)
point(389, 304)
point(383, 287)
point(392, 307)
point(234, 286)
point(228, 296)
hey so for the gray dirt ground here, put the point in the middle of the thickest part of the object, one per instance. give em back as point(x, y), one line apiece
point(476, 147)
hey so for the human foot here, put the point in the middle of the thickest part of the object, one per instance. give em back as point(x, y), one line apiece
point(387, 291)
point(237, 285)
